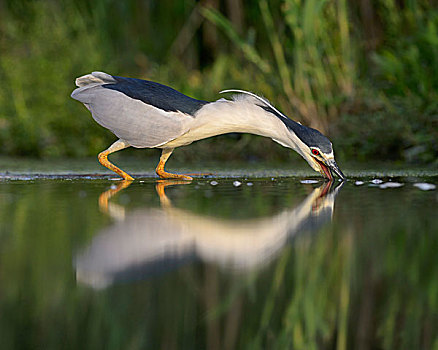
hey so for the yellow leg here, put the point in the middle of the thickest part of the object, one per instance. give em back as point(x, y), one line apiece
point(160, 167)
point(103, 159)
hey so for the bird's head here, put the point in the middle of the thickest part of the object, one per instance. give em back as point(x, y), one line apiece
point(317, 150)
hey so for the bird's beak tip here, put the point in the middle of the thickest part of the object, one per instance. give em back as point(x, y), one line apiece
point(334, 167)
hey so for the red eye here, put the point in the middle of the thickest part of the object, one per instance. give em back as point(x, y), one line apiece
point(315, 152)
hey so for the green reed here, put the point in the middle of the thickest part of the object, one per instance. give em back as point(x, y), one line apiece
point(313, 55)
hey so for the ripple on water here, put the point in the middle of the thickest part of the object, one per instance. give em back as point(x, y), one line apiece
point(391, 185)
point(309, 181)
point(424, 186)
point(376, 181)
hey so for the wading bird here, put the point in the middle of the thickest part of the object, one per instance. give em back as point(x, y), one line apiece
point(145, 114)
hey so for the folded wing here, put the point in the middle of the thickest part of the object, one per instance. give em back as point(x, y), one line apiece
point(143, 113)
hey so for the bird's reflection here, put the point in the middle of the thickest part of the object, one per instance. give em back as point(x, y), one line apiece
point(149, 241)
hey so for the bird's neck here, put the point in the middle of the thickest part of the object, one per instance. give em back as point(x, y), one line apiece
point(225, 116)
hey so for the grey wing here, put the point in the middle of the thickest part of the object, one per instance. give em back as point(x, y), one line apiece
point(132, 120)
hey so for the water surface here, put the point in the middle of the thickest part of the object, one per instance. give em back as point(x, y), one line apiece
point(218, 263)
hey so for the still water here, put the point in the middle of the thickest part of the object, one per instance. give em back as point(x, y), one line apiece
point(224, 263)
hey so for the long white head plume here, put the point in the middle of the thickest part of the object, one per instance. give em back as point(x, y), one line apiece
point(256, 97)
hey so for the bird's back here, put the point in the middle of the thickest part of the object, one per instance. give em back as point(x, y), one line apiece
point(157, 95)
point(141, 112)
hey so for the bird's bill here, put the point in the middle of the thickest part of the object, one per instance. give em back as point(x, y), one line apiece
point(331, 163)
point(329, 167)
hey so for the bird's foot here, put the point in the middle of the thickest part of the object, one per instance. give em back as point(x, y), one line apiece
point(165, 175)
point(126, 177)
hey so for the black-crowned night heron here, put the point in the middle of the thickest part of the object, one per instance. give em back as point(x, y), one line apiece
point(145, 114)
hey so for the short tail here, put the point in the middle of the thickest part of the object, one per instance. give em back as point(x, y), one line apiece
point(94, 78)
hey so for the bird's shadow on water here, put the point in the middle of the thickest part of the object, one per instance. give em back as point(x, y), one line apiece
point(150, 241)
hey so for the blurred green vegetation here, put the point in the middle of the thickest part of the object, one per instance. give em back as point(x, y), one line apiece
point(364, 72)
